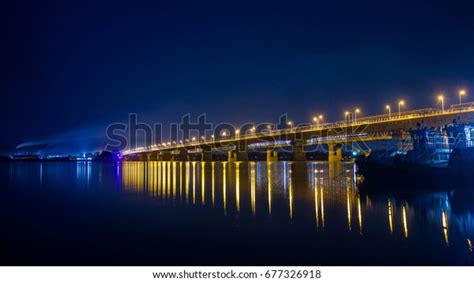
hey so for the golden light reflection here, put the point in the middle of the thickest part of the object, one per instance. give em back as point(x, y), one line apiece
point(404, 218)
point(322, 205)
point(252, 188)
point(149, 180)
point(186, 183)
point(269, 175)
point(224, 189)
point(349, 208)
point(316, 207)
point(290, 196)
point(469, 245)
point(237, 186)
point(213, 186)
point(159, 179)
point(390, 216)
point(180, 180)
point(163, 185)
point(168, 181)
point(174, 180)
point(203, 183)
point(194, 182)
point(359, 211)
point(444, 223)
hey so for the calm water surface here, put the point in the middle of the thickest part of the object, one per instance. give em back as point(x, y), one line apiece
point(217, 213)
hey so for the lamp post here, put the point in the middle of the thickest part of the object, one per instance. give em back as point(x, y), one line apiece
point(441, 99)
point(269, 127)
point(389, 111)
point(223, 134)
point(347, 116)
point(400, 104)
point(237, 132)
point(356, 111)
point(462, 92)
point(290, 123)
point(212, 137)
point(318, 120)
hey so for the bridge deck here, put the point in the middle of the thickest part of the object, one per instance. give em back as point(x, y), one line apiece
point(372, 128)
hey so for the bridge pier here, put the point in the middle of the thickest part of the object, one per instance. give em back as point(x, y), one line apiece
point(272, 155)
point(151, 156)
point(179, 155)
point(164, 156)
point(334, 152)
point(299, 153)
point(236, 156)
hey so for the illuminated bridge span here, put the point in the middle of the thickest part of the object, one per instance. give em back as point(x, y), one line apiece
point(299, 140)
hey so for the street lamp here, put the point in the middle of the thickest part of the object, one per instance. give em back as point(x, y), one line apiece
point(389, 111)
point(347, 116)
point(318, 119)
point(441, 98)
point(223, 134)
point(400, 104)
point(193, 139)
point(212, 137)
point(462, 92)
point(356, 111)
point(290, 123)
point(237, 132)
point(269, 127)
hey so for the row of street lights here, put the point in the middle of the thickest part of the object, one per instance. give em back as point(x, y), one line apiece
point(389, 109)
point(461, 93)
point(318, 119)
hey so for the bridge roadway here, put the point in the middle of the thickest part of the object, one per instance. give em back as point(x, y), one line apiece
point(333, 135)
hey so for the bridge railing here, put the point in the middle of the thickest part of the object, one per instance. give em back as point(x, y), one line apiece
point(427, 112)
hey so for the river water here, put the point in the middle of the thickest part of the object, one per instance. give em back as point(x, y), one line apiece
point(218, 213)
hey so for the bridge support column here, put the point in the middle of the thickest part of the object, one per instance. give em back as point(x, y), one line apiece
point(231, 156)
point(179, 155)
point(272, 155)
point(164, 156)
point(334, 152)
point(298, 151)
point(234, 156)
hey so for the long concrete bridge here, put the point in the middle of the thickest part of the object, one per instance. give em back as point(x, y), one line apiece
point(297, 140)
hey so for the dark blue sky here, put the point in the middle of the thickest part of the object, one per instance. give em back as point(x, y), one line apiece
point(79, 66)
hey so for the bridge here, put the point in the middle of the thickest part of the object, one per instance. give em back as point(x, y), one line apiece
point(235, 146)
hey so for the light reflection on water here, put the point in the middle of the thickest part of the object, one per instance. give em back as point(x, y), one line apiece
point(254, 188)
point(316, 197)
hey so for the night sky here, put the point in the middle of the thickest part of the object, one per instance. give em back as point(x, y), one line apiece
point(69, 69)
